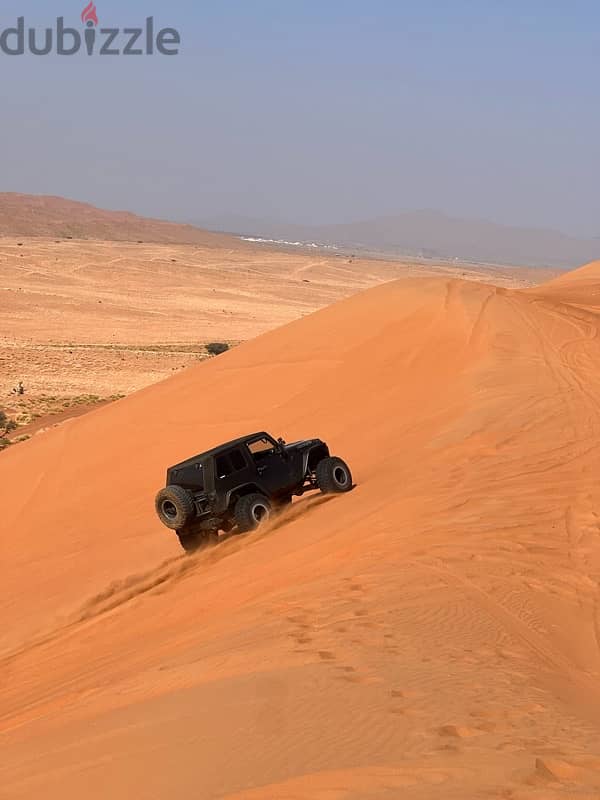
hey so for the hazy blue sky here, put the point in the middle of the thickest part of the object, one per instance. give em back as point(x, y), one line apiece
point(318, 111)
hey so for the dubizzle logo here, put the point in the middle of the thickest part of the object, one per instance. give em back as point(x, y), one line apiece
point(63, 41)
point(89, 15)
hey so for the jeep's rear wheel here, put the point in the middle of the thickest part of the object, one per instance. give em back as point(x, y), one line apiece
point(192, 542)
point(333, 476)
point(175, 507)
point(250, 511)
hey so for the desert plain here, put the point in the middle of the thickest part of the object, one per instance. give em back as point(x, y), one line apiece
point(433, 633)
point(86, 321)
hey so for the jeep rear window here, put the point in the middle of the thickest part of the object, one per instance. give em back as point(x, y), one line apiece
point(191, 476)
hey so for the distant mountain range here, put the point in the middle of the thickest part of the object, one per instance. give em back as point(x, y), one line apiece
point(39, 215)
point(423, 234)
point(430, 234)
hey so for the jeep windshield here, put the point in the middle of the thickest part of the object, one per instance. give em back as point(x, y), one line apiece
point(261, 448)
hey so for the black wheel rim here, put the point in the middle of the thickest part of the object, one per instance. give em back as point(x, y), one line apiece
point(169, 509)
point(259, 512)
point(340, 476)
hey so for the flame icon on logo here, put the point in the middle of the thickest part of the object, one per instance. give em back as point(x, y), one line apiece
point(89, 15)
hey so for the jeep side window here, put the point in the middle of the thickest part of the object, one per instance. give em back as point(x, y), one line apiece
point(226, 465)
point(222, 467)
point(260, 448)
point(237, 460)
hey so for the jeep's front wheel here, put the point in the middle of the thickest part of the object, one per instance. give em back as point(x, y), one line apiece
point(175, 507)
point(333, 476)
point(250, 511)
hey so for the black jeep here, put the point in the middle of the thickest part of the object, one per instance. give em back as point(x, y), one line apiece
point(240, 483)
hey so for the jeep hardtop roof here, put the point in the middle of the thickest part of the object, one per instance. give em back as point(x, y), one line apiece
point(214, 451)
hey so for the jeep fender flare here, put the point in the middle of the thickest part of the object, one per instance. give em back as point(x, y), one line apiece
point(312, 456)
point(244, 488)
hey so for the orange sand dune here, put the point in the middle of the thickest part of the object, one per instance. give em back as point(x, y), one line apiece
point(581, 287)
point(435, 633)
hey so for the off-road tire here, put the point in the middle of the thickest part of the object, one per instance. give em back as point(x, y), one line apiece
point(192, 542)
point(250, 511)
point(175, 507)
point(333, 476)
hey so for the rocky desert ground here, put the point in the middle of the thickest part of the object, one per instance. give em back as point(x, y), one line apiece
point(434, 633)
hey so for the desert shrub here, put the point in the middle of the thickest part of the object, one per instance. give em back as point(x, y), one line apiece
point(216, 348)
point(6, 424)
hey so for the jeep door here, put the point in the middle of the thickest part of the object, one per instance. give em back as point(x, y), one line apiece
point(272, 465)
point(232, 469)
